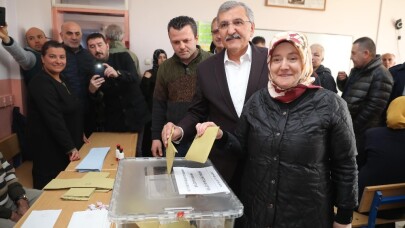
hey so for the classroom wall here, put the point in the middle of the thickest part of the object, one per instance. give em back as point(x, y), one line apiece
point(149, 18)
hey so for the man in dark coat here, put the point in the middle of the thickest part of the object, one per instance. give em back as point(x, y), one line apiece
point(366, 90)
point(117, 86)
point(225, 82)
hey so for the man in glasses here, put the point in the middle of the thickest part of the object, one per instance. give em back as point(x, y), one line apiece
point(216, 38)
point(224, 83)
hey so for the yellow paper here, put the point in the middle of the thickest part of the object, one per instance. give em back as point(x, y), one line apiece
point(98, 183)
point(201, 146)
point(156, 224)
point(78, 194)
point(96, 175)
point(170, 153)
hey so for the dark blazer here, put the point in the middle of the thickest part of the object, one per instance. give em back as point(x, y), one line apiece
point(55, 126)
point(213, 102)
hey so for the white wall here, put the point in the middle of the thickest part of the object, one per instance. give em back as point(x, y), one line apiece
point(149, 18)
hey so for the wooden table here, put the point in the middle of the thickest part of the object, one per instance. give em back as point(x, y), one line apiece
point(105, 139)
point(50, 200)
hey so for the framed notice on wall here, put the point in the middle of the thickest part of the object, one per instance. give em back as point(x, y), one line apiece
point(301, 4)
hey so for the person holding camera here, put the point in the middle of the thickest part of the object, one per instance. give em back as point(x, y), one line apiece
point(28, 58)
point(116, 85)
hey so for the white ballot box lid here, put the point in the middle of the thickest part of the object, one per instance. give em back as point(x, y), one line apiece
point(143, 191)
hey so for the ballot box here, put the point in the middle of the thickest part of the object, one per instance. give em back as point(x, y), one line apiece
point(146, 196)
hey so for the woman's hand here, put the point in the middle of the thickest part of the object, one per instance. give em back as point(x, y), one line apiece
point(74, 155)
point(201, 127)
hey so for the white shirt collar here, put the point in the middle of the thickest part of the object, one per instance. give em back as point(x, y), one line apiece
point(244, 57)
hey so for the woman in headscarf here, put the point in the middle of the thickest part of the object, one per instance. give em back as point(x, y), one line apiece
point(299, 146)
point(147, 87)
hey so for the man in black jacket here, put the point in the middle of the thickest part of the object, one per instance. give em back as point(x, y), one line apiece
point(366, 90)
point(116, 85)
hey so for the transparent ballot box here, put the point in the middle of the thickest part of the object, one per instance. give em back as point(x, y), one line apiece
point(145, 196)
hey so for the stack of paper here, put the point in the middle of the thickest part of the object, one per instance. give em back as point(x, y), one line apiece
point(41, 219)
point(94, 160)
point(90, 219)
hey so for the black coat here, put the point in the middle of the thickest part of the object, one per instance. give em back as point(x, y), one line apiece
point(366, 92)
point(125, 108)
point(300, 160)
point(326, 78)
point(55, 126)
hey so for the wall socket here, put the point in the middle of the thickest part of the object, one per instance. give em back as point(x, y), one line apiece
point(6, 100)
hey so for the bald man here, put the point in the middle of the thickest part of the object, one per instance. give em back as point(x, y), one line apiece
point(28, 58)
point(388, 60)
point(79, 69)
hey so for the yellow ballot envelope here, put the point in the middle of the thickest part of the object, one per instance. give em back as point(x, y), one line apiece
point(201, 146)
point(170, 153)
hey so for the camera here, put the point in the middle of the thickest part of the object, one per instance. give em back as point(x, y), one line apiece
point(99, 69)
point(398, 24)
point(2, 16)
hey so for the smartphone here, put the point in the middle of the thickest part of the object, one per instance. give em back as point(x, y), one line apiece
point(2, 16)
point(99, 69)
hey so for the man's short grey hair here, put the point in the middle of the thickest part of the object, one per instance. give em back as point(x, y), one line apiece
point(114, 32)
point(232, 4)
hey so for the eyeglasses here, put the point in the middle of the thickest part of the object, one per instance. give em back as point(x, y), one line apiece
point(237, 23)
point(215, 31)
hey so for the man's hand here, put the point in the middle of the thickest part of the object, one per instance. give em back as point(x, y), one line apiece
point(4, 34)
point(338, 225)
point(95, 83)
point(110, 71)
point(74, 155)
point(15, 217)
point(341, 75)
point(201, 127)
point(23, 206)
point(167, 130)
point(156, 148)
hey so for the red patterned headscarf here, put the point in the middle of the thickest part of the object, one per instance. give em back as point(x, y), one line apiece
point(299, 41)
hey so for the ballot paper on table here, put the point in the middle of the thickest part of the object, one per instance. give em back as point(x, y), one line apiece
point(90, 219)
point(201, 146)
point(193, 181)
point(94, 160)
point(41, 219)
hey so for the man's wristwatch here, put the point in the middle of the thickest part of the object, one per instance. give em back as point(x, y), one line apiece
point(23, 196)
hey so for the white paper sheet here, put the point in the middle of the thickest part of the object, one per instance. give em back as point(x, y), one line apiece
point(89, 219)
point(198, 181)
point(41, 219)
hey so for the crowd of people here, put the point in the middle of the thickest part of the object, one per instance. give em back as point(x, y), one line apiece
point(289, 146)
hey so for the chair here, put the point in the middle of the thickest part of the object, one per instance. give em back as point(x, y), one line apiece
point(379, 198)
point(10, 148)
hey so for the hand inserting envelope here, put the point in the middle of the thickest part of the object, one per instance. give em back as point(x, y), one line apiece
point(198, 151)
point(170, 153)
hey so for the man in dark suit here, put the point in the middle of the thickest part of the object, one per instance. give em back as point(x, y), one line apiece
point(123, 107)
point(225, 82)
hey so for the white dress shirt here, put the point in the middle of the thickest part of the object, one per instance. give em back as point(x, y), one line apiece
point(237, 76)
